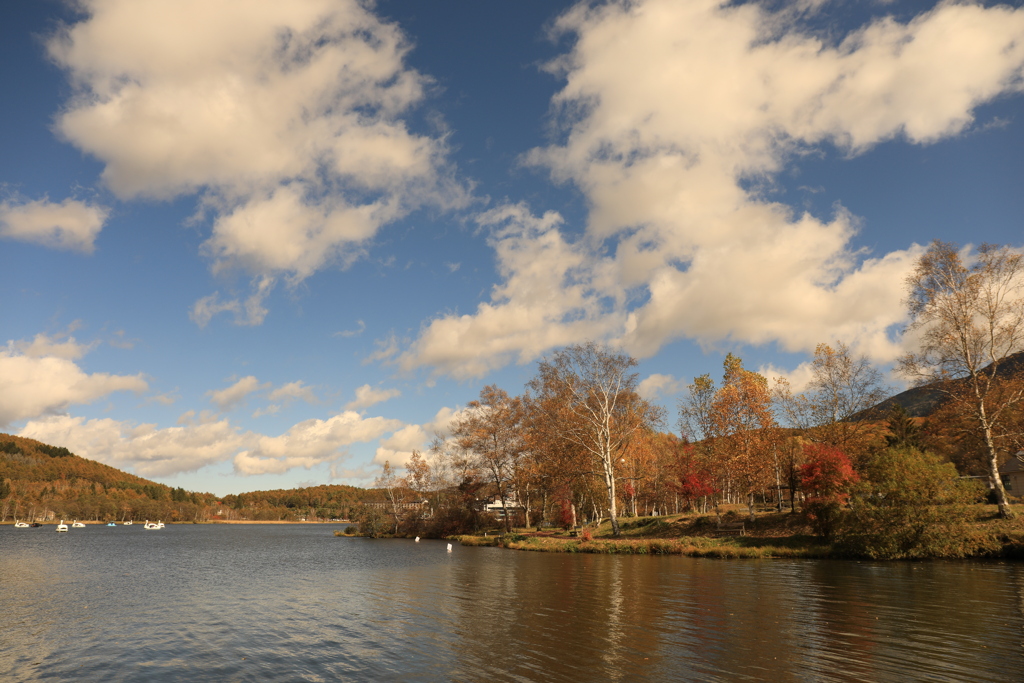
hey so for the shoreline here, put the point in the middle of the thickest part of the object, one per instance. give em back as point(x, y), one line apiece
point(212, 521)
point(981, 535)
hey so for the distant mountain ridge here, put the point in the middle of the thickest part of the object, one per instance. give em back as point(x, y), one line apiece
point(924, 400)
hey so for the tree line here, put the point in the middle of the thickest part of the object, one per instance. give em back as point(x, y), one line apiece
point(580, 444)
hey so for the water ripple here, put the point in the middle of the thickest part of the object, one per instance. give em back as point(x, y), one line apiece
point(269, 603)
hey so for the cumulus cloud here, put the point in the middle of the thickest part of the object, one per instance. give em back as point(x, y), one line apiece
point(367, 396)
point(311, 442)
point(41, 377)
point(144, 449)
point(657, 385)
point(285, 117)
point(799, 378)
point(70, 224)
point(672, 115)
point(59, 346)
point(228, 398)
point(397, 449)
point(197, 443)
point(553, 292)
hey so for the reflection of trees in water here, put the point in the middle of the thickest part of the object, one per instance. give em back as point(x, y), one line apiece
point(488, 613)
point(1017, 582)
point(883, 620)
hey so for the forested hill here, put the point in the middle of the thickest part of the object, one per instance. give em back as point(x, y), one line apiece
point(46, 483)
point(43, 482)
point(328, 501)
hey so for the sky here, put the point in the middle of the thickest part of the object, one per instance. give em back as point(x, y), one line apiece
point(249, 245)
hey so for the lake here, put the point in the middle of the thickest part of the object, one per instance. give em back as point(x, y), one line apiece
point(295, 603)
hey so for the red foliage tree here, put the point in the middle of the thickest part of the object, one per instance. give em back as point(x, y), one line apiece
point(693, 478)
point(826, 479)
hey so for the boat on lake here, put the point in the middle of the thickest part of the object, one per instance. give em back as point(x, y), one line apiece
point(128, 523)
point(153, 525)
point(111, 523)
point(21, 525)
point(62, 526)
point(77, 525)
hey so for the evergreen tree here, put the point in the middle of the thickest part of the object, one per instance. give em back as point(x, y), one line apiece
point(903, 431)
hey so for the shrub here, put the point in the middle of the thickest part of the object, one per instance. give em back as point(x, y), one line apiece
point(912, 505)
point(373, 522)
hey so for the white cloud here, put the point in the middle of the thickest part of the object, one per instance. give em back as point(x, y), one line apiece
point(397, 448)
point(311, 442)
point(40, 377)
point(799, 378)
point(143, 449)
point(59, 346)
point(672, 112)
point(287, 117)
point(552, 293)
point(293, 390)
point(194, 444)
point(70, 224)
point(251, 312)
point(228, 398)
point(657, 385)
point(367, 396)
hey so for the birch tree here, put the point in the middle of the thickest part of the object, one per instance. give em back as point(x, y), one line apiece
point(842, 387)
point(968, 316)
point(598, 391)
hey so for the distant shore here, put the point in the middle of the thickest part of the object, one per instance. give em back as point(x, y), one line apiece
point(212, 521)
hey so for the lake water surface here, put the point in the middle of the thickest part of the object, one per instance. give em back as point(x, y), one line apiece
point(295, 603)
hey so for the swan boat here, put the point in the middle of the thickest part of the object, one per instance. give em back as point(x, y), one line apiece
point(153, 525)
point(62, 526)
point(77, 525)
point(21, 525)
point(128, 523)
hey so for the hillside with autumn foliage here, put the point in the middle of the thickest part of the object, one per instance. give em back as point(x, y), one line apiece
point(40, 482)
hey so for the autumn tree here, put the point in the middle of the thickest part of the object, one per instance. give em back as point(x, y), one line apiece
point(734, 428)
point(392, 485)
point(598, 391)
point(691, 477)
point(834, 408)
point(967, 316)
point(826, 478)
point(491, 429)
point(418, 476)
point(699, 431)
point(742, 417)
point(558, 467)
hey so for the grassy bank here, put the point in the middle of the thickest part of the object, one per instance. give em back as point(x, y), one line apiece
point(774, 535)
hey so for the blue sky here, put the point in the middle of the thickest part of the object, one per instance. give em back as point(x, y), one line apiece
point(252, 245)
